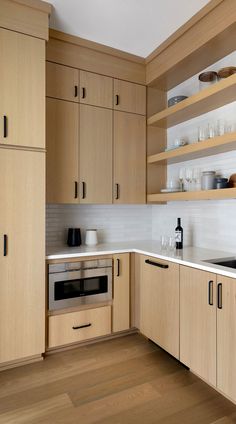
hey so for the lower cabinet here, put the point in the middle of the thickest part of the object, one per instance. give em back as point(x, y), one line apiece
point(159, 305)
point(78, 326)
point(198, 322)
point(121, 293)
point(226, 336)
point(22, 254)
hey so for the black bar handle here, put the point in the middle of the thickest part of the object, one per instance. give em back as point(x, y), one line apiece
point(5, 132)
point(81, 326)
point(219, 296)
point(117, 99)
point(76, 91)
point(117, 192)
point(83, 93)
point(83, 190)
point(210, 292)
point(147, 261)
point(118, 267)
point(76, 190)
point(5, 245)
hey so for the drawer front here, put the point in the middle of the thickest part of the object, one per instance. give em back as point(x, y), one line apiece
point(63, 329)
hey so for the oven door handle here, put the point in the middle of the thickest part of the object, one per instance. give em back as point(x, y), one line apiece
point(81, 326)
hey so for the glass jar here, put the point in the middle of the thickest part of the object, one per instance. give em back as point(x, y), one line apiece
point(207, 78)
point(208, 180)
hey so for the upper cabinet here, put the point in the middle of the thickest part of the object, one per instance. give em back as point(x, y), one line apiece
point(129, 158)
point(95, 155)
point(62, 82)
point(129, 97)
point(62, 151)
point(96, 90)
point(22, 88)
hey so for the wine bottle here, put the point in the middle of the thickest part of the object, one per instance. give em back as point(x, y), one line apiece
point(179, 235)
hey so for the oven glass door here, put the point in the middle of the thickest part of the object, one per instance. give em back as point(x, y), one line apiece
point(81, 287)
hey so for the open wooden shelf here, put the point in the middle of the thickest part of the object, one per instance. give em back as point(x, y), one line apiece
point(226, 193)
point(212, 146)
point(217, 95)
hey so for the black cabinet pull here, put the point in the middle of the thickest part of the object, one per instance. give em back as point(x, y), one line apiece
point(76, 190)
point(210, 292)
point(117, 192)
point(81, 326)
point(83, 190)
point(83, 93)
point(164, 266)
point(5, 245)
point(76, 91)
point(117, 99)
point(5, 132)
point(118, 267)
point(219, 296)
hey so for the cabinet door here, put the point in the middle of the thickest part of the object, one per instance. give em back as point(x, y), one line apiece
point(129, 97)
point(62, 151)
point(96, 90)
point(95, 154)
point(22, 88)
point(226, 336)
point(121, 293)
point(22, 276)
point(159, 300)
point(62, 82)
point(129, 158)
point(198, 322)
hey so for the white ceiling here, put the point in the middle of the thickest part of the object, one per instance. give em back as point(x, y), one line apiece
point(135, 26)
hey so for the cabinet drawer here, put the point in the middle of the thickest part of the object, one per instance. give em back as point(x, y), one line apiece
point(63, 328)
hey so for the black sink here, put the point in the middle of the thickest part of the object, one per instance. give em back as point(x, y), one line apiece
point(227, 262)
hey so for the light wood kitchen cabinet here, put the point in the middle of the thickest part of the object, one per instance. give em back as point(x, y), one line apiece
point(129, 97)
point(22, 258)
point(95, 155)
point(121, 293)
point(198, 322)
point(159, 304)
point(78, 326)
point(129, 158)
point(22, 88)
point(62, 151)
point(62, 82)
point(226, 336)
point(96, 90)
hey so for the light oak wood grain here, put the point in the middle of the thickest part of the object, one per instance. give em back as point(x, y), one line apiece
point(61, 82)
point(159, 305)
point(22, 87)
point(131, 97)
point(121, 293)
point(62, 151)
point(226, 338)
point(97, 89)
point(61, 332)
point(22, 277)
point(198, 322)
point(226, 193)
point(95, 154)
point(129, 158)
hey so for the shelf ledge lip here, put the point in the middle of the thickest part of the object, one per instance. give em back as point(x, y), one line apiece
point(221, 194)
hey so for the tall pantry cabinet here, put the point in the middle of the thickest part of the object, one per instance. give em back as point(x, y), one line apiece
point(22, 192)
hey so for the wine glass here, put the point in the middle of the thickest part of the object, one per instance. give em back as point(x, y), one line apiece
point(188, 178)
point(181, 178)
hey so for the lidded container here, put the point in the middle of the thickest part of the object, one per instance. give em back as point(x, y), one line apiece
point(208, 180)
point(207, 78)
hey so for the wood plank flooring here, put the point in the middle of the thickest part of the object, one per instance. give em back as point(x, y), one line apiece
point(121, 381)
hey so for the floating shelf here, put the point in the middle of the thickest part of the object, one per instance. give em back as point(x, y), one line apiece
point(217, 95)
point(226, 193)
point(212, 146)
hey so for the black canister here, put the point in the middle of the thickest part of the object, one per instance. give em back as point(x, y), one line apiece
point(74, 237)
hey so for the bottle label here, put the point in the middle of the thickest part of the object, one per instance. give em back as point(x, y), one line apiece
point(178, 236)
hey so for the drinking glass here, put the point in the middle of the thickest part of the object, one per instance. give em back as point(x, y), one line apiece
point(164, 242)
point(202, 133)
point(181, 178)
point(196, 181)
point(211, 130)
point(188, 178)
point(171, 244)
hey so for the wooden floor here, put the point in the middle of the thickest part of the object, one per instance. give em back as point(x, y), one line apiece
point(125, 380)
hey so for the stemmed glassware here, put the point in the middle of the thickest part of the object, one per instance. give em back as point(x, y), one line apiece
point(181, 178)
point(188, 178)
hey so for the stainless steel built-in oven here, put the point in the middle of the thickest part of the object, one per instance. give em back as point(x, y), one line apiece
point(79, 283)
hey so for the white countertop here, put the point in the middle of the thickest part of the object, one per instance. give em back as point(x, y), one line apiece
point(189, 256)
